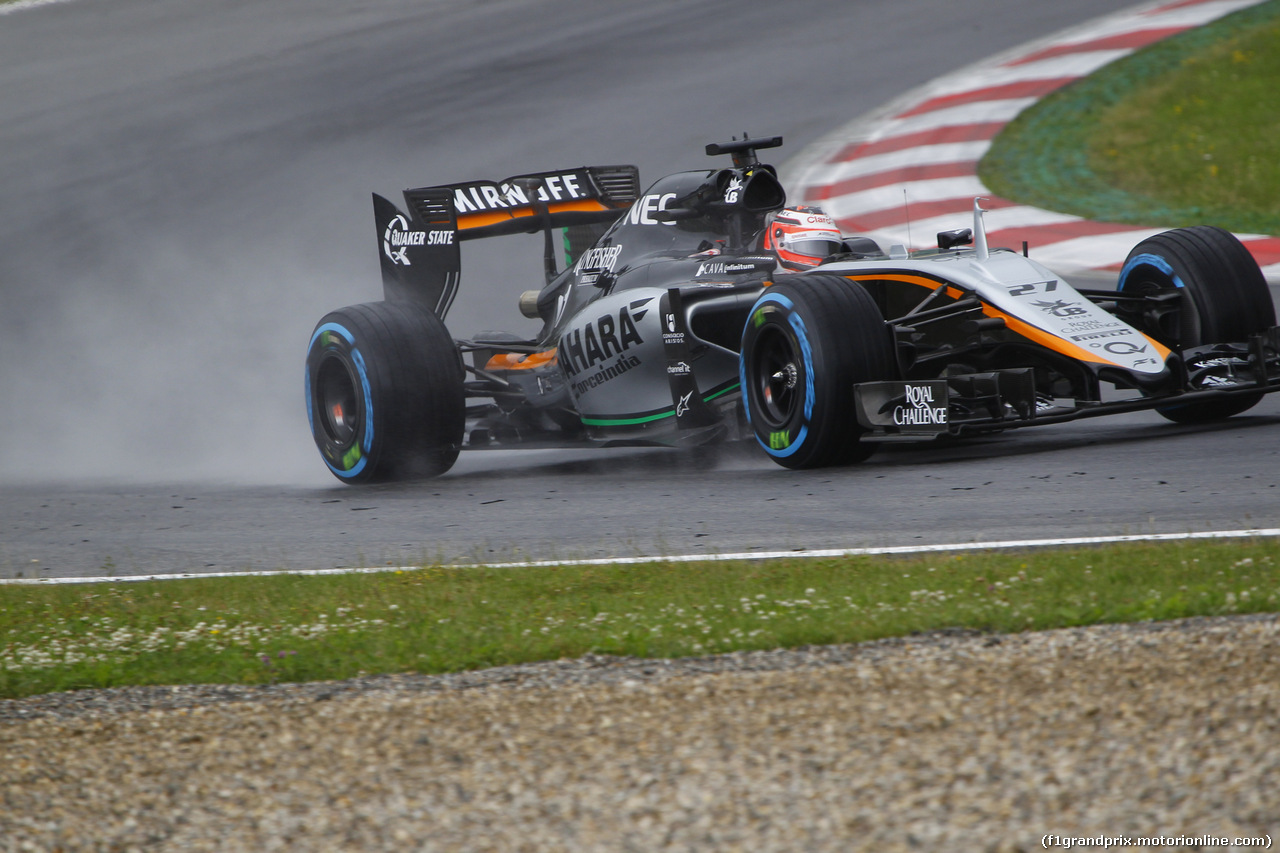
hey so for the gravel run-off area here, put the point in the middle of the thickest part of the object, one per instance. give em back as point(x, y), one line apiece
point(951, 741)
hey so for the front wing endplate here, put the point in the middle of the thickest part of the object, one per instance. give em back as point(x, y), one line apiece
point(903, 408)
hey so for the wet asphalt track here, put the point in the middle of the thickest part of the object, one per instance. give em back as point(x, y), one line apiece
point(185, 190)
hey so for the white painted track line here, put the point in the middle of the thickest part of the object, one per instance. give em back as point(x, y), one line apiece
point(891, 550)
point(23, 5)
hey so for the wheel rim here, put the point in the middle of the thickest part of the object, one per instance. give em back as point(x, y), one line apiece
point(776, 377)
point(1181, 327)
point(337, 402)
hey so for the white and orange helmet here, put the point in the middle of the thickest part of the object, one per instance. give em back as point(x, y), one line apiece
point(802, 237)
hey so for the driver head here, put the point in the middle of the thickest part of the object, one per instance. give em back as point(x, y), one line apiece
point(802, 237)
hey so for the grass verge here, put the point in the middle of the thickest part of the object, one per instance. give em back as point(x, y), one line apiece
point(1180, 133)
point(295, 628)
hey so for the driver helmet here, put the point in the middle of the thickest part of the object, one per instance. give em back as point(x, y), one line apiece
point(802, 237)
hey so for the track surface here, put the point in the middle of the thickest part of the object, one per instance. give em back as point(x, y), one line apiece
point(185, 191)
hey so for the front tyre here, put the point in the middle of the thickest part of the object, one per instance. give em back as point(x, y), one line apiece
point(806, 343)
point(384, 393)
point(1225, 299)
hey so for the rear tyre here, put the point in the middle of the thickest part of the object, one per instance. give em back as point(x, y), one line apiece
point(384, 389)
point(1224, 299)
point(805, 344)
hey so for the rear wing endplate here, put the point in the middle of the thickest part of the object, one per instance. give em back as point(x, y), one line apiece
point(419, 250)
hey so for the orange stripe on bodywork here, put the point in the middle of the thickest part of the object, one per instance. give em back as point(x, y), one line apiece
point(923, 281)
point(1057, 344)
point(1021, 327)
point(479, 220)
point(519, 360)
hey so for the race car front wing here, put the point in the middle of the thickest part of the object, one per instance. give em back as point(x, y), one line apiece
point(922, 410)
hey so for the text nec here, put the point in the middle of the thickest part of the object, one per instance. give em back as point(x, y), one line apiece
point(642, 211)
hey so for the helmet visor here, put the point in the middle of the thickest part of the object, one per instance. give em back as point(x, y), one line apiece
point(816, 249)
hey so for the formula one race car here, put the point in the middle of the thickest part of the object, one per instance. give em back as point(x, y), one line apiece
point(688, 315)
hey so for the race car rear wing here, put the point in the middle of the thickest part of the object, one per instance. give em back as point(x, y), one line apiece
point(419, 251)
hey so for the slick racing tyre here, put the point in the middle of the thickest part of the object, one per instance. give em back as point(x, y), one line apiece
point(1224, 300)
point(384, 390)
point(805, 344)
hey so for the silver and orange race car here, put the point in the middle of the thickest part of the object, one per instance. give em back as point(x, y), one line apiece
point(676, 321)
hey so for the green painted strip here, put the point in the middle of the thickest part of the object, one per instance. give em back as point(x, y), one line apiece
point(628, 421)
point(665, 413)
point(734, 387)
